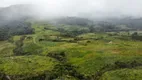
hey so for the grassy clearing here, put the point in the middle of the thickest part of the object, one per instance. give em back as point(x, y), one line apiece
point(89, 54)
point(94, 55)
point(6, 48)
point(123, 74)
point(25, 65)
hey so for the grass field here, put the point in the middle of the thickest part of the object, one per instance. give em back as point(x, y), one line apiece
point(90, 54)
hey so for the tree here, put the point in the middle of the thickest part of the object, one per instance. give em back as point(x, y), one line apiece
point(19, 50)
point(135, 36)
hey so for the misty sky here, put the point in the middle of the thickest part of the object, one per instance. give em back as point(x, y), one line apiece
point(84, 7)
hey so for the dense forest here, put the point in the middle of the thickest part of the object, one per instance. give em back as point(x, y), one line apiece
point(15, 28)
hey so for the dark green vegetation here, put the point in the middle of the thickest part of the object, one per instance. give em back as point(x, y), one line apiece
point(15, 28)
point(72, 49)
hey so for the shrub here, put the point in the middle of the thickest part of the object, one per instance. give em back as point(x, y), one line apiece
point(60, 56)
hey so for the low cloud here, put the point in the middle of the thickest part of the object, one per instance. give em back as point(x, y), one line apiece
point(83, 8)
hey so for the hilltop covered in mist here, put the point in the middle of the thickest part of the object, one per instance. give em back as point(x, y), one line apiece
point(22, 12)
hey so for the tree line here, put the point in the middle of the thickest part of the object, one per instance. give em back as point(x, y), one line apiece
point(15, 28)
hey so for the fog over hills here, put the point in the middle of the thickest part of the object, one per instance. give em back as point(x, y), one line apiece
point(16, 11)
point(95, 9)
point(32, 10)
point(21, 12)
